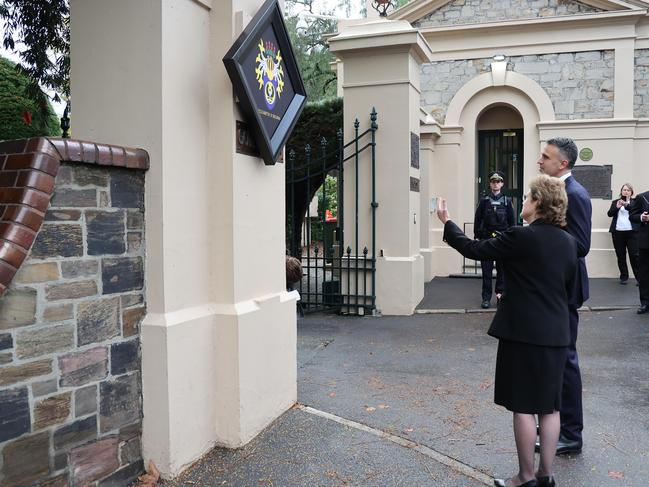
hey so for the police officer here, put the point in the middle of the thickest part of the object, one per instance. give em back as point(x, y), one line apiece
point(495, 213)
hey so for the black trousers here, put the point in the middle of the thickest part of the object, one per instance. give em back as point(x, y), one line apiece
point(572, 416)
point(643, 275)
point(487, 269)
point(623, 241)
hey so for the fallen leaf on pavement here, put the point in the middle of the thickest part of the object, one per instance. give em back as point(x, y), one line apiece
point(149, 479)
point(370, 409)
point(332, 394)
point(615, 475)
point(383, 406)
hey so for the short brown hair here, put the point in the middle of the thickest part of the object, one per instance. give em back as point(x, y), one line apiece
point(550, 193)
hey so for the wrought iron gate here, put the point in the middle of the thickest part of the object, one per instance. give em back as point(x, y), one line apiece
point(337, 275)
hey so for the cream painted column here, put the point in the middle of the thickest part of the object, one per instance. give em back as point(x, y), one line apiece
point(624, 80)
point(219, 339)
point(429, 134)
point(382, 60)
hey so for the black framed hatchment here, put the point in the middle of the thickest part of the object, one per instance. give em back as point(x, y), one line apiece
point(266, 79)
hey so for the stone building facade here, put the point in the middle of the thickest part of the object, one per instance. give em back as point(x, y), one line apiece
point(70, 365)
point(580, 84)
point(505, 70)
point(479, 11)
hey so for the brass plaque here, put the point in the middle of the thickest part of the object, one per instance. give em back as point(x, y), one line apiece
point(596, 180)
point(414, 184)
point(414, 150)
point(244, 140)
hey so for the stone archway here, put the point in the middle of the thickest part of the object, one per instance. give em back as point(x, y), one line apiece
point(499, 87)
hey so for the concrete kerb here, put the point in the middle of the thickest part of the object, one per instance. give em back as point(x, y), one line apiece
point(456, 465)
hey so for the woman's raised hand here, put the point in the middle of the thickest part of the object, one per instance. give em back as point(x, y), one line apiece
point(442, 211)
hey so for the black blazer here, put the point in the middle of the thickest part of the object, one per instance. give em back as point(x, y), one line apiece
point(614, 210)
point(579, 218)
point(640, 205)
point(540, 264)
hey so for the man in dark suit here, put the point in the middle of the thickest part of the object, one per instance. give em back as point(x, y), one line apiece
point(639, 213)
point(557, 159)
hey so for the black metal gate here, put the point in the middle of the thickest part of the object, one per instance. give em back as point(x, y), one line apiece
point(337, 275)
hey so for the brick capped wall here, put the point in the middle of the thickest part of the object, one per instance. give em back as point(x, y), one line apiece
point(70, 373)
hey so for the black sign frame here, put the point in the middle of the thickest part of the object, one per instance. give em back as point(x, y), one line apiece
point(269, 144)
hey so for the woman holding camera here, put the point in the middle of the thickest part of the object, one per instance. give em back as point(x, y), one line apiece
point(624, 232)
point(531, 322)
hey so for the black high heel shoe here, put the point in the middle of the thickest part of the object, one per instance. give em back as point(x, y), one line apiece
point(529, 483)
point(547, 481)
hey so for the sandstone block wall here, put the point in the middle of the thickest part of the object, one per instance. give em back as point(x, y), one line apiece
point(641, 95)
point(70, 377)
point(478, 11)
point(580, 84)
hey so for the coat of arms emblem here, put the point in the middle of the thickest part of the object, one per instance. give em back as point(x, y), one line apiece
point(270, 74)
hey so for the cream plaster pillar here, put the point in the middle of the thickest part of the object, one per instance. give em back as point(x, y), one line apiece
point(429, 134)
point(219, 339)
point(382, 60)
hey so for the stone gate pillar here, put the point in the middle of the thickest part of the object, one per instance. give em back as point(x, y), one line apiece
point(381, 61)
point(219, 337)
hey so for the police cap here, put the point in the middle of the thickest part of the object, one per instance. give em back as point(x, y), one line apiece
point(496, 176)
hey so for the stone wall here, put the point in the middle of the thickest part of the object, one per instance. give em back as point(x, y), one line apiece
point(641, 95)
point(580, 84)
point(478, 11)
point(70, 381)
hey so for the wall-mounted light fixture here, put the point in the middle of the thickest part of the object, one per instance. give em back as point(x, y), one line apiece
point(499, 69)
point(382, 6)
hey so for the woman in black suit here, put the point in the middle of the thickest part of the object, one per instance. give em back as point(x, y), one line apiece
point(624, 232)
point(531, 322)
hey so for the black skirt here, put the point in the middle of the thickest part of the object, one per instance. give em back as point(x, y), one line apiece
point(529, 378)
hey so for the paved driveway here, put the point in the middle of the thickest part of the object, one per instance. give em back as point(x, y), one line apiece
point(407, 401)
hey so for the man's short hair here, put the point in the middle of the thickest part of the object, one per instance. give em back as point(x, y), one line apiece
point(567, 149)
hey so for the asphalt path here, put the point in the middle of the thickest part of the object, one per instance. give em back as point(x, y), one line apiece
point(408, 401)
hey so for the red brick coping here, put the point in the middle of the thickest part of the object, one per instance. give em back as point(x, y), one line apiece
point(28, 168)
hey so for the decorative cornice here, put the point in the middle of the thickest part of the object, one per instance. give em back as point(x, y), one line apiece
point(582, 19)
point(28, 169)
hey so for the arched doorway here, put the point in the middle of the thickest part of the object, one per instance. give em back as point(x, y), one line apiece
point(500, 148)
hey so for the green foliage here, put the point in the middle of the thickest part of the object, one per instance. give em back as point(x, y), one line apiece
point(14, 100)
point(39, 31)
point(313, 57)
point(328, 199)
point(319, 120)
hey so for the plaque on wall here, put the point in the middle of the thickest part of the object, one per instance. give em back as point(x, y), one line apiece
point(414, 150)
point(586, 154)
point(414, 184)
point(596, 179)
point(245, 142)
point(266, 79)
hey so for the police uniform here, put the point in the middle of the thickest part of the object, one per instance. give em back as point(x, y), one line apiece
point(495, 213)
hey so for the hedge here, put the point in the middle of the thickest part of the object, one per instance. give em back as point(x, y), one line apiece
point(14, 102)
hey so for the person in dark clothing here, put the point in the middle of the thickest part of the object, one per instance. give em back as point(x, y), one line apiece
point(557, 159)
point(639, 214)
point(624, 233)
point(532, 323)
point(495, 213)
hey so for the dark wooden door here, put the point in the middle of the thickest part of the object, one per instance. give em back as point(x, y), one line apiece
point(502, 150)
